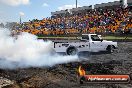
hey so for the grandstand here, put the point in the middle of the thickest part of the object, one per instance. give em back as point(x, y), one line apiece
point(105, 18)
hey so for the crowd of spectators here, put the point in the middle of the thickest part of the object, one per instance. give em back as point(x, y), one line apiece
point(108, 20)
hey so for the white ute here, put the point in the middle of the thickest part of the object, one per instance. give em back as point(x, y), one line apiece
point(88, 42)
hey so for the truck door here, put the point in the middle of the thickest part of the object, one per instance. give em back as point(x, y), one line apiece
point(96, 43)
point(84, 43)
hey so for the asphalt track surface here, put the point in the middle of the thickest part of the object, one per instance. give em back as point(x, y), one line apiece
point(66, 75)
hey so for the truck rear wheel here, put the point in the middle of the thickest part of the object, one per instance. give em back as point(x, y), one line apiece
point(71, 51)
point(110, 49)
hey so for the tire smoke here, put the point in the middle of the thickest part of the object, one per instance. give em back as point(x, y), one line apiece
point(26, 50)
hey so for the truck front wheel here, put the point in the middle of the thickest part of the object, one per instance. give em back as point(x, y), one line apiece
point(110, 49)
point(71, 51)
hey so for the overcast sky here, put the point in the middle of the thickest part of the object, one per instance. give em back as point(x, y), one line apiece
point(10, 10)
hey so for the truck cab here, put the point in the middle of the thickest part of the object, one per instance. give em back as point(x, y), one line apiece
point(97, 43)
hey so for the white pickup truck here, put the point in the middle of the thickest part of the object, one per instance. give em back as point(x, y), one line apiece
point(88, 42)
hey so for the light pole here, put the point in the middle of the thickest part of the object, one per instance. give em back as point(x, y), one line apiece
point(76, 3)
point(20, 20)
point(21, 14)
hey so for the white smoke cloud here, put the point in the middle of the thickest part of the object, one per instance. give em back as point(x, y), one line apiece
point(27, 51)
point(15, 2)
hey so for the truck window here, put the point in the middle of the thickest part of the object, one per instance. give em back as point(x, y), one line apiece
point(95, 38)
point(85, 37)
